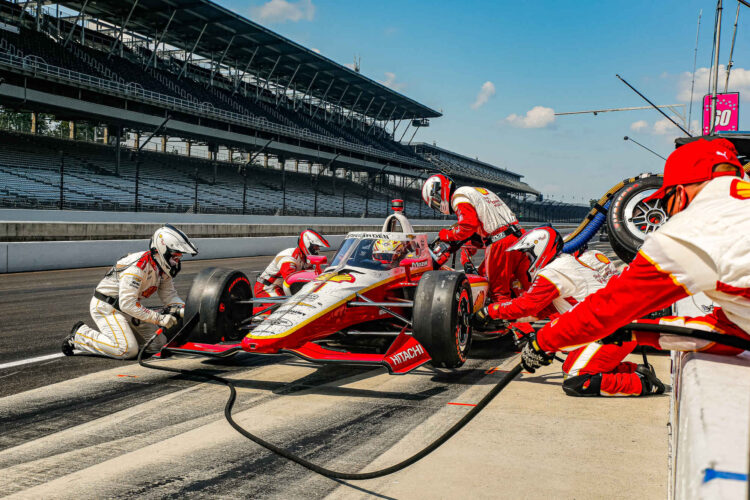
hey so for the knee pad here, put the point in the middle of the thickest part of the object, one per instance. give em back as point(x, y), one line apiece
point(583, 385)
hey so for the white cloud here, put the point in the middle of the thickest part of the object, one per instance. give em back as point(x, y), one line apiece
point(639, 125)
point(281, 11)
point(666, 127)
point(536, 117)
point(391, 83)
point(484, 95)
point(739, 81)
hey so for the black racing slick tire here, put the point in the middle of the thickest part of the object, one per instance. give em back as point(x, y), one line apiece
point(630, 219)
point(441, 318)
point(221, 297)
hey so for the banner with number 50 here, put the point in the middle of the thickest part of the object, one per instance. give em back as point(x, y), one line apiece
point(727, 112)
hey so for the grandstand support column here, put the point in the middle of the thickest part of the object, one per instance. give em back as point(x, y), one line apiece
point(282, 162)
point(188, 145)
point(159, 39)
point(62, 179)
point(397, 125)
point(118, 149)
point(244, 190)
point(72, 130)
point(34, 118)
point(325, 96)
point(374, 120)
point(75, 23)
point(121, 35)
point(164, 144)
point(286, 89)
point(307, 92)
point(190, 55)
point(221, 59)
point(195, 196)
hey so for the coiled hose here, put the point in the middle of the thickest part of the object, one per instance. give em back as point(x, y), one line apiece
point(594, 219)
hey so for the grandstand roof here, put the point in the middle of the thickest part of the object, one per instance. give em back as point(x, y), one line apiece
point(425, 145)
point(217, 29)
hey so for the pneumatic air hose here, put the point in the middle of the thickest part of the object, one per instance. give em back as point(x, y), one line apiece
point(594, 219)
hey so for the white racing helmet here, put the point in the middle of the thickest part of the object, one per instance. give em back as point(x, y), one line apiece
point(310, 242)
point(541, 245)
point(165, 243)
point(437, 192)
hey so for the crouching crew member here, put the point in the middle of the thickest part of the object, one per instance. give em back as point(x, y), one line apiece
point(703, 247)
point(562, 281)
point(270, 283)
point(123, 323)
point(481, 213)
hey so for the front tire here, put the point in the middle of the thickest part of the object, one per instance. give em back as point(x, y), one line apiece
point(442, 313)
point(630, 219)
point(216, 294)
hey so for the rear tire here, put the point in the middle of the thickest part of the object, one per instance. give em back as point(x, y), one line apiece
point(630, 219)
point(441, 319)
point(214, 294)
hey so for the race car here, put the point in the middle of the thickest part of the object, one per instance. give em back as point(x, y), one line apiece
point(387, 298)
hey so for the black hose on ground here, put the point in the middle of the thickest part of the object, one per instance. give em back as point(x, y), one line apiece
point(501, 384)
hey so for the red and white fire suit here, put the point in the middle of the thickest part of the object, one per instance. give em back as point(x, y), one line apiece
point(126, 324)
point(600, 262)
point(704, 248)
point(481, 212)
point(270, 282)
point(563, 283)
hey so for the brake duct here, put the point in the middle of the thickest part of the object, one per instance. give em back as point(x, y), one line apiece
point(481, 405)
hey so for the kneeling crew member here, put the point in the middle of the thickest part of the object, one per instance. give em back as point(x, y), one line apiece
point(482, 213)
point(561, 280)
point(270, 283)
point(116, 306)
point(703, 247)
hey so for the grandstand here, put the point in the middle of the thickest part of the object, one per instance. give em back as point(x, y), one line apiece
point(281, 129)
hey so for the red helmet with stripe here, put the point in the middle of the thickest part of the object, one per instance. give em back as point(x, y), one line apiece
point(541, 245)
point(437, 192)
point(310, 242)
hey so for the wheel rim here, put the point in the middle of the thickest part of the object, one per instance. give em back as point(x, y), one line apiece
point(463, 329)
point(644, 217)
point(231, 311)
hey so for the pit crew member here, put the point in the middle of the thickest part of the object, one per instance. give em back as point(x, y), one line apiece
point(703, 247)
point(481, 213)
point(562, 281)
point(123, 322)
point(270, 282)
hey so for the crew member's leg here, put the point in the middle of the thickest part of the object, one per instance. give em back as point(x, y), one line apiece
point(114, 338)
point(716, 322)
point(598, 370)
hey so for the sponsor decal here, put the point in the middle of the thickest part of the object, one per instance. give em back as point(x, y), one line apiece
point(135, 282)
point(482, 191)
point(740, 190)
point(149, 291)
point(602, 258)
point(406, 355)
point(282, 322)
point(479, 303)
point(238, 280)
point(336, 278)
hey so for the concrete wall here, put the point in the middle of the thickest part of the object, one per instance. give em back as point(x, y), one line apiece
point(710, 421)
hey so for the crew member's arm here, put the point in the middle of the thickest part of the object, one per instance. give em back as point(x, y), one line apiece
point(468, 224)
point(168, 293)
point(641, 288)
point(287, 268)
point(536, 299)
point(131, 282)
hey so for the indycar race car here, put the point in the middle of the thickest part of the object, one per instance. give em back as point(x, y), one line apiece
point(387, 298)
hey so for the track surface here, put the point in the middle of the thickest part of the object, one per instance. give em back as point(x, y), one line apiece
point(89, 427)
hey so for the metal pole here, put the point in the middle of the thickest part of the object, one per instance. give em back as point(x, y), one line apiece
point(73, 28)
point(158, 40)
point(195, 198)
point(654, 106)
point(62, 178)
point(137, 176)
point(644, 147)
point(120, 37)
point(695, 62)
point(715, 67)
point(283, 186)
point(118, 150)
point(731, 50)
point(244, 192)
point(190, 56)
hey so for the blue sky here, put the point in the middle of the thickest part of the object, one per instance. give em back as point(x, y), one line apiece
point(561, 56)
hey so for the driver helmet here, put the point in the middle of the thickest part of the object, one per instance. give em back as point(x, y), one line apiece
point(437, 192)
point(167, 245)
point(541, 245)
point(310, 242)
point(388, 252)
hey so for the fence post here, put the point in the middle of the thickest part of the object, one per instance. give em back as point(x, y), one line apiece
point(62, 178)
point(244, 191)
point(137, 176)
point(283, 185)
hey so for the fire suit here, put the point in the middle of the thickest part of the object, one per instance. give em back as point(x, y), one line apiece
point(117, 311)
point(481, 212)
point(594, 369)
point(704, 248)
point(599, 262)
point(271, 281)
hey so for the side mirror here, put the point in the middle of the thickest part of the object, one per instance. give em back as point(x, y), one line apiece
point(408, 262)
point(318, 261)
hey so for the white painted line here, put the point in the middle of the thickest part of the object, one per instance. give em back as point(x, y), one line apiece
point(31, 360)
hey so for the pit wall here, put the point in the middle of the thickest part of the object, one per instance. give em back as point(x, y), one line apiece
point(710, 422)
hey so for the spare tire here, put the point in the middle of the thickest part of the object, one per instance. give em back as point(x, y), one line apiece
point(216, 294)
point(441, 318)
point(630, 219)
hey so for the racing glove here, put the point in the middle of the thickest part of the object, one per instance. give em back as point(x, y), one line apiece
point(481, 319)
point(167, 320)
point(533, 357)
point(445, 235)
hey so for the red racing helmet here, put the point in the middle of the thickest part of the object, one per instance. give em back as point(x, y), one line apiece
point(437, 192)
point(310, 242)
point(541, 245)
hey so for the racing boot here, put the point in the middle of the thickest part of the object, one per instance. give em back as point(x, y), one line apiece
point(67, 344)
point(649, 382)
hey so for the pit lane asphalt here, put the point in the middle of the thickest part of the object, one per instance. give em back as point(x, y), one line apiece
point(102, 428)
